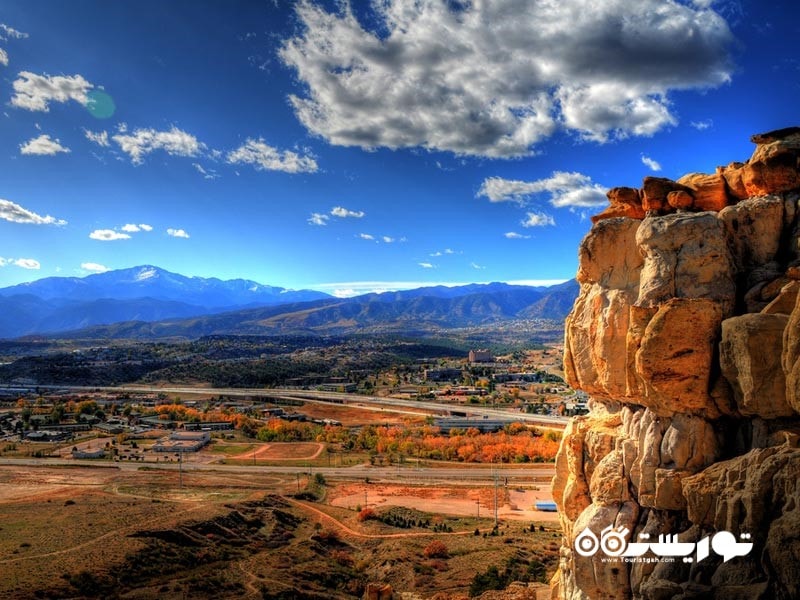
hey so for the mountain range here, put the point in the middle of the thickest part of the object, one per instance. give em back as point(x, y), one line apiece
point(148, 302)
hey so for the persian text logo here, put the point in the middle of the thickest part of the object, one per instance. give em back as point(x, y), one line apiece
point(613, 542)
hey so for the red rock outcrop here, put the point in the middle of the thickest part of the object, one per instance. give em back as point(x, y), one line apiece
point(686, 336)
point(623, 202)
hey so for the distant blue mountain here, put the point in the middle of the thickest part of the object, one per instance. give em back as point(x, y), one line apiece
point(148, 302)
point(153, 282)
point(145, 293)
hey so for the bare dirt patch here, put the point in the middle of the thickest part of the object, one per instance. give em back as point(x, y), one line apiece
point(350, 416)
point(513, 504)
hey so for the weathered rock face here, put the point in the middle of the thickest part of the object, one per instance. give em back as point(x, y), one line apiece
point(686, 335)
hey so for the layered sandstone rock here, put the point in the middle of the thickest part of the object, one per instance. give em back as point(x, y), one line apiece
point(686, 335)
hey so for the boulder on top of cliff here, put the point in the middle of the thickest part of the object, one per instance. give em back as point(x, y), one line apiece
point(655, 191)
point(732, 174)
point(680, 200)
point(777, 135)
point(710, 192)
point(773, 168)
point(623, 202)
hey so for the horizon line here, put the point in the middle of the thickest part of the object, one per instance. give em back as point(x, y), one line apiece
point(357, 288)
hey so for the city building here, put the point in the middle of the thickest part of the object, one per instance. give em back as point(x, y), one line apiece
point(183, 441)
point(208, 426)
point(480, 356)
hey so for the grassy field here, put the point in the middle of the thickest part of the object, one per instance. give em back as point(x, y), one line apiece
point(232, 449)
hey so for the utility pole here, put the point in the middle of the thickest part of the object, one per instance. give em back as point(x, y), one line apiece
point(495, 499)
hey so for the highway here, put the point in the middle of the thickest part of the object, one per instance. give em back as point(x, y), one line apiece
point(451, 474)
point(390, 404)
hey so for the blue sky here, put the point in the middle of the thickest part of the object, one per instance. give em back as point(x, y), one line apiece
point(375, 146)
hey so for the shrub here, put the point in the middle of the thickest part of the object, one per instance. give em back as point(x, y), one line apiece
point(366, 514)
point(328, 536)
point(436, 549)
point(342, 558)
point(439, 565)
point(482, 582)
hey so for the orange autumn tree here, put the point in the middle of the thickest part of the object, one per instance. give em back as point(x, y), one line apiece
point(517, 443)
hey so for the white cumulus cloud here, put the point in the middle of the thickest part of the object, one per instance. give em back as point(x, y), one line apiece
point(651, 164)
point(3, 57)
point(94, 267)
point(266, 158)
point(36, 92)
point(366, 236)
point(43, 145)
point(108, 235)
point(24, 263)
point(27, 263)
point(426, 265)
point(494, 78)
point(537, 219)
point(563, 189)
point(513, 235)
point(341, 212)
point(10, 211)
point(144, 141)
point(135, 228)
point(178, 233)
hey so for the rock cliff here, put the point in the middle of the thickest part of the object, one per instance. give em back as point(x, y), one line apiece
point(686, 336)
